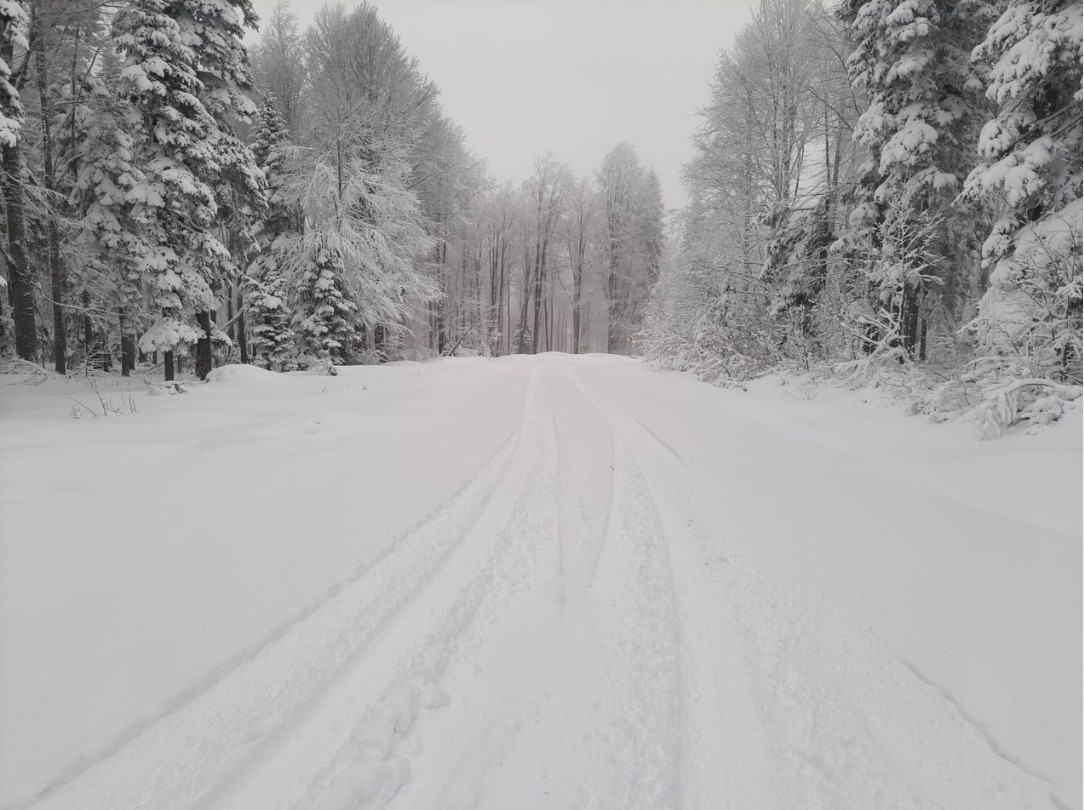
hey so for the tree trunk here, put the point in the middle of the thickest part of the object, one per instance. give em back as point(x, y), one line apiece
point(611, 298)
point(242, 333)
point(500, 303)
point(909, 319)
point(539, 281)
point(380, 343)
point(577, 290)
point(56, 266)
point(127, 346)
point(88, 331)
point(230, 323)
point(20, 276)
point(167, 365)
point(521, 343)
point(204, 357)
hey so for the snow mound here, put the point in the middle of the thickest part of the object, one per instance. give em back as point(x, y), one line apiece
point(242, 373)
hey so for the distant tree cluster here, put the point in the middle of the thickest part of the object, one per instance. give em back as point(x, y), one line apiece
point(173, 197)
point(885, 183)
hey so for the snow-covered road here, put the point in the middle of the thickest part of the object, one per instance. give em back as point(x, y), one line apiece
point(545, 582)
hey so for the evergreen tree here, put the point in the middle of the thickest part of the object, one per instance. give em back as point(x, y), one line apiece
point(324, 315)
point(912, 60)
point(270, 318)
point(358, 257)
point(1029, 172)
point(109, 199)
point(266, 287)
point(13, 22)
point(185, 73)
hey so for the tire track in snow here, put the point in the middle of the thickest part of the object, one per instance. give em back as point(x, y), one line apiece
point(502, 559)
point(633, 755)
point(596, 726)
point(723, 760)
point(564, 683)
point(836, 711)
point(173, 757)
point(612, 720)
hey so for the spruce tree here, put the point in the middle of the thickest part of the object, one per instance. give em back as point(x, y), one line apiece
point(13, 22)
point(109, 199)
point(266, 287)
point(912, 59)
point(1029, 172)
point(12, 31)
point(186, 70)
point(324, 316)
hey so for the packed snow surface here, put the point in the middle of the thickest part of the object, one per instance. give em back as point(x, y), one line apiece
point(543, 582)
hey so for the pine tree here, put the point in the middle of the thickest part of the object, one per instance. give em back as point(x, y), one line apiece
point(324, 316)
point(185, 72)
point(266, 287)
point(362, 240)
point(912, 60)
point(13, 22)
point(1029, 172)
point(270, 319)
point(269, 134)
point(109, 199)
point(796, 265)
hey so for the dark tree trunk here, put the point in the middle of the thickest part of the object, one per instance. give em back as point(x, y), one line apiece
point(20, 276)
point(167, 365)
point(909, 319)
point(539, 280)
point(59, 282)
point(88, 329)
point(230, 325)
point(56, 266)
point(127, 345)
point(127, 355)
point(524, 306)
point(380, 343)
point(204, 356)
point(577, 293)
point(242, 334)
point(611, 300)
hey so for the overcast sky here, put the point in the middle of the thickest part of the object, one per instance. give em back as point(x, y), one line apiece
point(574, 77)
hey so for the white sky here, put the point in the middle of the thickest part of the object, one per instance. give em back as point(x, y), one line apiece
point(574, 77)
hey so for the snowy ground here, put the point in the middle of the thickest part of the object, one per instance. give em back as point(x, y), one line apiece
point(542, 582)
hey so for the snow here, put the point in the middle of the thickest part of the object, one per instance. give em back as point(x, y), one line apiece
point(530, 582)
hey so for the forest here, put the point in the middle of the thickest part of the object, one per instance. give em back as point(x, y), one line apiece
point(345, 467)
point(306, 201)
point(873, 186)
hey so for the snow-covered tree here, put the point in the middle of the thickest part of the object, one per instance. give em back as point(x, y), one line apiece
point(266, 286)
point(631, 224)
point(1029, 172)
point(13, 44)
point(545, 193)
point(278, 63)
point(13, 19)
point(185, 73)
point(912, 59)
point(356, 263)
point(270, 327)
point(324, 313)
point(108, 199)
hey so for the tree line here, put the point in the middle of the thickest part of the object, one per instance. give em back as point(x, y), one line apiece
point(882, 184)
point(174, 197)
